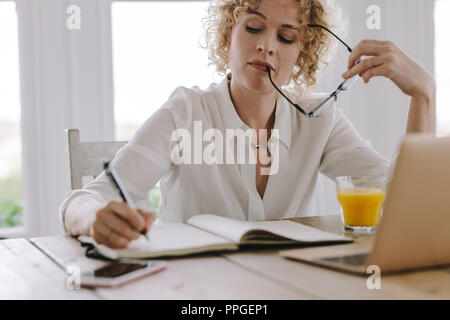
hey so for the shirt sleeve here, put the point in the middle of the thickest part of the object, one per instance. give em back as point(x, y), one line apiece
point(346, 153)
point(141, 162)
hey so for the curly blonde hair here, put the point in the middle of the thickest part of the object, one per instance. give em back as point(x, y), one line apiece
point(317, 44)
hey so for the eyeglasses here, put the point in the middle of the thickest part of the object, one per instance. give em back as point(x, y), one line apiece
point(328, 102)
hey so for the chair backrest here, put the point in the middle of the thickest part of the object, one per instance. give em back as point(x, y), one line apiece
point(86, 157)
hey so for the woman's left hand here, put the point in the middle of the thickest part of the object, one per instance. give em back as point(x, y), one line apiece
point(390, 62)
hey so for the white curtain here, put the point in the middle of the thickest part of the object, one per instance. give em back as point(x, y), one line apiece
point(66, 82)
point(379, 109)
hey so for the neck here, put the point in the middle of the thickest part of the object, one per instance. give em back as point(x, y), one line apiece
point(255, 109)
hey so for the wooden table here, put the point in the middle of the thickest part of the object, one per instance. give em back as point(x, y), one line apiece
point(36, 269)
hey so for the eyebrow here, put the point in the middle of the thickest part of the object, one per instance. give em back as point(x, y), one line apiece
point(264, 17)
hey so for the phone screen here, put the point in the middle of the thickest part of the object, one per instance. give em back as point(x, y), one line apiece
point(117, 269)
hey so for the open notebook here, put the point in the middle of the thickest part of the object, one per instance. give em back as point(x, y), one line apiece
point(207, 232)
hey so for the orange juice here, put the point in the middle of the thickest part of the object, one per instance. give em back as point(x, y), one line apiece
point(361, 206)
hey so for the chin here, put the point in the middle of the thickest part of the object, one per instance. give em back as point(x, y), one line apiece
point(259, 83)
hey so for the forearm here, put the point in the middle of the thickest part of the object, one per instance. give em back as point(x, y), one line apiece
point(80, 215)
point(422, 113)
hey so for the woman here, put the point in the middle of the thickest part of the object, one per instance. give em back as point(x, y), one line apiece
point(247, 37)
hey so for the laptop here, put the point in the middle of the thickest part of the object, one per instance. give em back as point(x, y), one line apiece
point(414, 231)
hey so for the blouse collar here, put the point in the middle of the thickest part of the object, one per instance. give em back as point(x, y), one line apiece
point(233, 121)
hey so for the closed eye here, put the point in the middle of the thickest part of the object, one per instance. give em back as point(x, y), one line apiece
point(283, 39)
point(253, 30)
point(280, 37)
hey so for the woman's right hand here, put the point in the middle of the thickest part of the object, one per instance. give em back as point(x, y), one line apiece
point(117, 224)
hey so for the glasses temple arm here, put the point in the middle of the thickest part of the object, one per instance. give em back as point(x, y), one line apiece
point(333, 95)
point(322, 27)
point(294, 104)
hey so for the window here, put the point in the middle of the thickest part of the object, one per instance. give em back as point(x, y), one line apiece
point(156, 48)
point(442, 25)
point(10, 119)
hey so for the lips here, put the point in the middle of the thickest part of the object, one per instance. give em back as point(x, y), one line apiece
point(261, 65)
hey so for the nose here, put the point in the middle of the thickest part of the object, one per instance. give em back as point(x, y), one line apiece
point(266, 45)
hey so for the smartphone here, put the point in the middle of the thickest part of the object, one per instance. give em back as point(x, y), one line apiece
point(119, 273)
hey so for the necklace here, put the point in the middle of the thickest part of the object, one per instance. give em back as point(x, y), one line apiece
point(259, 145)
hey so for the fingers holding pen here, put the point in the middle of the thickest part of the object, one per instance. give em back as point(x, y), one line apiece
point(123, 210)
point(121, 226)
point(116, 224)
point(107, 236)
point(149, 218)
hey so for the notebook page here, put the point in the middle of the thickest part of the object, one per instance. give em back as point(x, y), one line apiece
point(297, 231)
point(169, 239)
point(228, 228)
point(235, 229)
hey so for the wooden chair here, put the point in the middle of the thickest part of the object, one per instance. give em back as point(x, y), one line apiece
point(86, 157)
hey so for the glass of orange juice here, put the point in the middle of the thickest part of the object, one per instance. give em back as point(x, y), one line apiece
point(361, 200)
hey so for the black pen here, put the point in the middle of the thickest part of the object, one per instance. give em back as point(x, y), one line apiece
point(115, 181)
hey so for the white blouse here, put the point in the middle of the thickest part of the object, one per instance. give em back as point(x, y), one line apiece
point(329, 144)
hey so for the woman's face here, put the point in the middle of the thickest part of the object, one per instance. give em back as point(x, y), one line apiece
point(271, 34)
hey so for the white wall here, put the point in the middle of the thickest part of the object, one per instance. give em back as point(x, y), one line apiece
point(66, 81)
point(379, 109)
